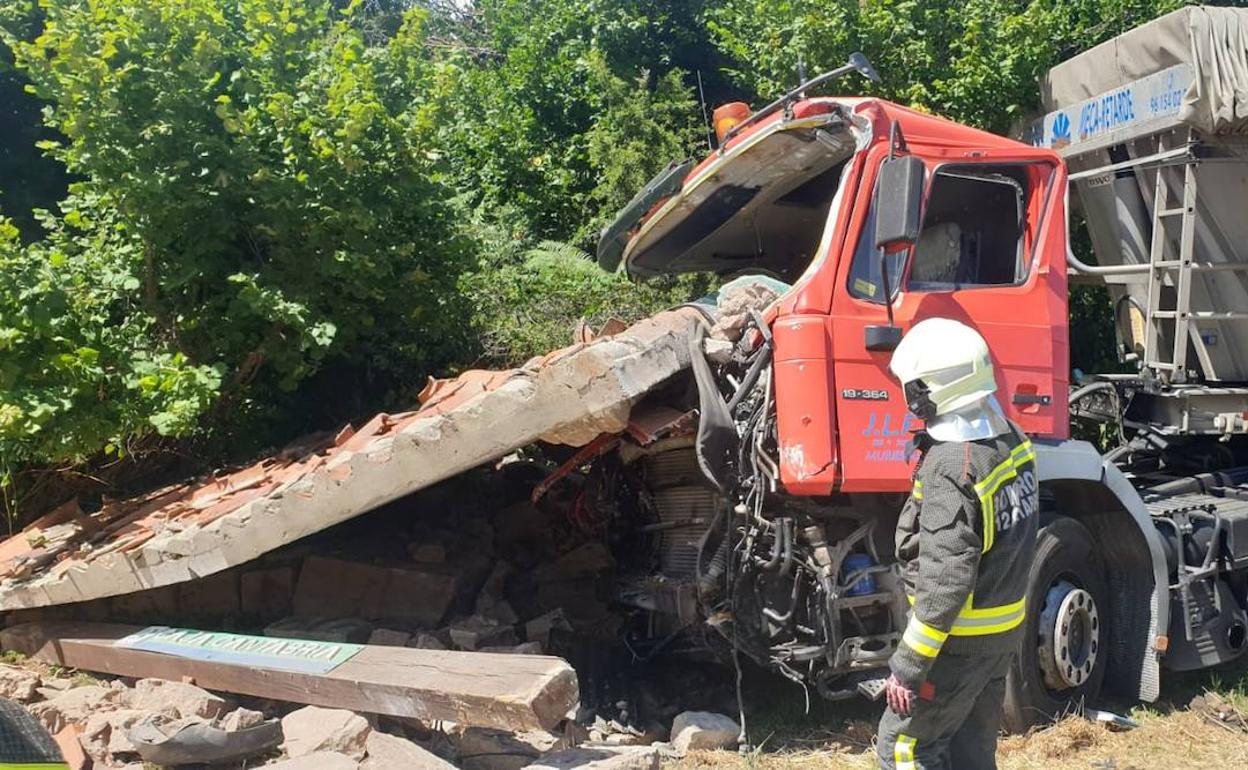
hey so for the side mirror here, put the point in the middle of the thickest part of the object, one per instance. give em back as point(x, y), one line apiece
point(898, 202)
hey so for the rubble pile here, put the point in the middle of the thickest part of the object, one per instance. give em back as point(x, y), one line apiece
point(409, 532)
point(472, 564)
point(131, 724)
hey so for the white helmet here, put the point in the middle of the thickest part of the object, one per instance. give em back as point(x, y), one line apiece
point(943, 366)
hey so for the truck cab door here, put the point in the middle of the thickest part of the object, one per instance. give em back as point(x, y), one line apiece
point(990, 253)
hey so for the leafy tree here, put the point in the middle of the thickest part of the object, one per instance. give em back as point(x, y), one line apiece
point(258, 204)
point(286, 212)
point(975, 61)
point(529, 300)
point(526, 97)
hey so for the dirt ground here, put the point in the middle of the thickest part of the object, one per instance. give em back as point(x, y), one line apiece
point(1176, 732)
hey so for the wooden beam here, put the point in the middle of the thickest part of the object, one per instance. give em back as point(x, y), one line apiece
point(510, 692)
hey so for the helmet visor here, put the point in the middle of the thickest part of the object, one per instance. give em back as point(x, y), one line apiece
point(919, 399)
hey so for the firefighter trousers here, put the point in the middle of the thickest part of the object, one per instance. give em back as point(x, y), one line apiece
point(955, 726)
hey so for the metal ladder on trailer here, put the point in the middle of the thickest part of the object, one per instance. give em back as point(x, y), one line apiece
point(1176, 271)
point(1174, 267)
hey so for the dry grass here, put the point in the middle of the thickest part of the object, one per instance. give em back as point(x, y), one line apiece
point(1212, 733)
point(1182, 739)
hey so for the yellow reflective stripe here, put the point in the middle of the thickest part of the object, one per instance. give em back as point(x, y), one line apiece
point(924, 639)
point(1005, 466)
point(917, 491)
point(990, 521)
point(1019, 456)
point(985, 621)
point(903, 752)
point(994, 612)
point(987, 489)
point(975, 621)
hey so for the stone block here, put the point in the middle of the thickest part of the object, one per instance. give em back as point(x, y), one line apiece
point(601, 758)
point(390, 752)
point(19, 684)
point(703, 730)
point(267, 593)
point(313, 729)
point(213, 598)
point(77, 705)
point(389, 637)
point(185, 699)
point(415, 594)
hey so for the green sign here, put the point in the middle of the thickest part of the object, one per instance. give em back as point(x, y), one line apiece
point(304, 656)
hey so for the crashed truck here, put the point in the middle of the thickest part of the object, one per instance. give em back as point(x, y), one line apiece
point(872, 217)
point(744, 460)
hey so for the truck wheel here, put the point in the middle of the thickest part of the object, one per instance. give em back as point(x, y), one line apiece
point(1062, 655)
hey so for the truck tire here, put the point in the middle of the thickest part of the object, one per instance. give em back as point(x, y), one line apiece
point(1062, 655)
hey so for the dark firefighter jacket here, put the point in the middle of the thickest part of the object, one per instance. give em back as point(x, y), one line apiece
point(965, 541)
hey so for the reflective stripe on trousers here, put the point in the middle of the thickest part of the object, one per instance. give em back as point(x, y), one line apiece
point(903, 752)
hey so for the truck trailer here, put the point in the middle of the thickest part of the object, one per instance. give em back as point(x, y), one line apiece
point(768, 529)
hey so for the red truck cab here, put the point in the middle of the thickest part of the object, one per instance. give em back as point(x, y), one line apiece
point(793, 196)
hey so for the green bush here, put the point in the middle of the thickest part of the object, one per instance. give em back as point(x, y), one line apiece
point(529, 306)
point(259, 205)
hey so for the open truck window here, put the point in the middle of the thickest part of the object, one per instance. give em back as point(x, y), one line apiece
point(973, 229)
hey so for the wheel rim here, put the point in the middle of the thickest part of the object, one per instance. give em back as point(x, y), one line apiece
point(1070, 628)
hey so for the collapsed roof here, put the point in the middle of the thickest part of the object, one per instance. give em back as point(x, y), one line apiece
point(200, 527)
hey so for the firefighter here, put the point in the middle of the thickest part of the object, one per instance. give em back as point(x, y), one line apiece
point(965, 542)
point(24, 744)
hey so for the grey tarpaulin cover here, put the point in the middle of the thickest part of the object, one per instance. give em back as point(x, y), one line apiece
point(1213, 41)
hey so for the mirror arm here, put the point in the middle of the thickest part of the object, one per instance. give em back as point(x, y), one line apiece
point(888, 288)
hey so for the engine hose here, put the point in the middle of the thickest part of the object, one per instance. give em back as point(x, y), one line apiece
point(777, 547)
point(719, 564)
point(776, 616)
point(751, 376)
point(786, 565)
point(706, 580)
point(832, 637)
point(744, 446)
point(1091, 387)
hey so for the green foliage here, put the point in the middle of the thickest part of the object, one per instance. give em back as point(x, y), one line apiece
point(533, 107)
point(637, 133)
point(528, 300)
point(258, 200)
point(28, 180)
point(975, 61)
point(82, 369)
point(285, 213)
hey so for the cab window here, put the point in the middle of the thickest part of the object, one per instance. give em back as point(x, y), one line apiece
point(973, 230)
point(974, 233)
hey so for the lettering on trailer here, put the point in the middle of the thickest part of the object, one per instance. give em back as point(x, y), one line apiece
point(299, 655)
point(888, 436)
point(1150, 98)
